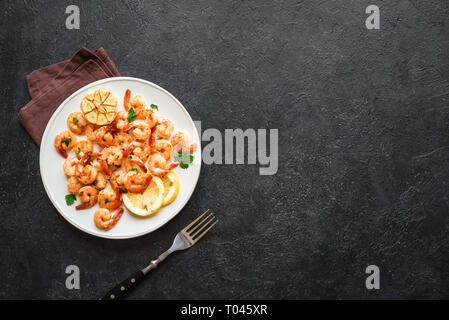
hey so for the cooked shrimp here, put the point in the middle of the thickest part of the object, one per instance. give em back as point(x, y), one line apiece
point(109, 198)
point(158, 165)
point(140, 150)
point(101, 181)
point(121, 120)
point(112, 155)
point(74, 185)
point(90, 132)
point(82, 147)
point(133, 163)
point(88, 195)
point(163, 147)
point(136, 182)
point(64, 142)
point(104, 136)
point(118, 179)
point(122, 140)
point(149, 116)
point(140, 129)
point(92, 158)
point(181, 143)
point(77, 122)
point(70, 166)
point(87, 174)
point(137, 102)
point(105, 220)
point(97, 165)
point(164, 129)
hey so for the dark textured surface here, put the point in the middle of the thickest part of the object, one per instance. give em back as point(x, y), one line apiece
point(363, 138)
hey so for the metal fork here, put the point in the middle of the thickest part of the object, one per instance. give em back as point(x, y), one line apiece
point(185, 238)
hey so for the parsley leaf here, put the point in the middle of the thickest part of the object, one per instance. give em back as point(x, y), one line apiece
point(135, 169)
point(118, 141)
point(184, 157)
point(66, 141)
point(92, 158)
point(106, 201)
point(131, 115)
point(130, 157)
point(79, 150)
point(183, 165)
point(75, 120)
point(70, 199)
point(153, 106)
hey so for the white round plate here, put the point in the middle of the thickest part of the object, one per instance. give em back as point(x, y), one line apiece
point(55, 181)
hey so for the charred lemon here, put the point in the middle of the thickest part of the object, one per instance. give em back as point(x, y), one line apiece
point(99, 107)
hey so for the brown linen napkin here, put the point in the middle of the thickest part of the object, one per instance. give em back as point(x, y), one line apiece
point(50, 86)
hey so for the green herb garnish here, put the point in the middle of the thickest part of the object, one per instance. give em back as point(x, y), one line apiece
point(92, 158)
point(70, 199)
point(131, 115)
point(183, 165)
point(75, 120)
point(130, 157)
point(116, 158)
point(135, 169)
point(106, 201)
point(118, 140)
point(66, 141)
point(79, 150)
point(184, 159)
point(153, 106)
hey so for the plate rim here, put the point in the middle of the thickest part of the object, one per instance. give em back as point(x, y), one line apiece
point(59, 109)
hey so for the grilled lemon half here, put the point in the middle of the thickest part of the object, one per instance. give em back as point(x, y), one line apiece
point(99, 107)
point(148, 202)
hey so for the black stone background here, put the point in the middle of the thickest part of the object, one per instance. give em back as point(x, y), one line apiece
point(363, 148)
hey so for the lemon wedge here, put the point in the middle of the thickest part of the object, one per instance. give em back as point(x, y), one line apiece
point(171, 187)
point(148, 202)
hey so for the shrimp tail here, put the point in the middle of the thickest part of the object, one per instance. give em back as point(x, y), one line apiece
point(192, 148)
point(62, 152)
point(117, 215)
point(85, 205)
point(105, 167)
point(153, 141)
point(147, 181)
point(162, 172)
point(126, 99)
point(171, 166)
point(129, 150)
point(128, 127)
point(140, 164)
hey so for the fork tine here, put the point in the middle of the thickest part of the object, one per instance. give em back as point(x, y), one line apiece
point(201, 222)
point(198, 229)
point(204, 232)
point(193, 222)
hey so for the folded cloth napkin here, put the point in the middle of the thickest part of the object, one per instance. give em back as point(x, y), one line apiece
point(50, 86)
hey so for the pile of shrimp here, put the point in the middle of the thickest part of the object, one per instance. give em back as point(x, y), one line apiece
point(129, 155)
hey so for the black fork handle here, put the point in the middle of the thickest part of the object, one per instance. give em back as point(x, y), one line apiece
point(124, 287)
